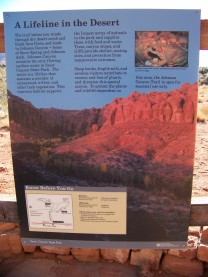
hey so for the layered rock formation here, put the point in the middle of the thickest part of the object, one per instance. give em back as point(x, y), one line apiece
point(177, 106)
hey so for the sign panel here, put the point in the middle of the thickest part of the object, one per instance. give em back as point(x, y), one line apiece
point(102, 107)
point(94, 212)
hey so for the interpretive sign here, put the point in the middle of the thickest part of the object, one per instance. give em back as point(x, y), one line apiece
point(52, 210)
point(102, 108)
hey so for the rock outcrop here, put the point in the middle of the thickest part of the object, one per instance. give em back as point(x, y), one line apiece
point(178, 106)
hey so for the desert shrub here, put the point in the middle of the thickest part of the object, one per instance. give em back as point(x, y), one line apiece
point(204, 109)
point(44, 155)
point(200, 117)
point(104, 174)
point(56, 140)
point(150, 153)
point(70, 138)
point(3, 93)
point(203, 75)
point(48, 142)
point(202, 114)
point(203, 70)
point(4, 122)
point(70, 166)
point(185, 188)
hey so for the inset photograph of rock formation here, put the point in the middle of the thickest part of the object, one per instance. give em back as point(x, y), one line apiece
point(161, 48)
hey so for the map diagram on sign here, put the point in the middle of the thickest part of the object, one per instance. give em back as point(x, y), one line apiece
point(49, 211)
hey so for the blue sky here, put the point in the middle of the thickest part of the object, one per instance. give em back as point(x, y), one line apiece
point(2, 59)
point(38, 5)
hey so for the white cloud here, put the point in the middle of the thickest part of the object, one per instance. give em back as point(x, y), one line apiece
point(2, 59)
point(203, 58)
point(25, 5)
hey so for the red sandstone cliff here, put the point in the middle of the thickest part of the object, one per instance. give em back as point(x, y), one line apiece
point(142, 135)
point(177, 106)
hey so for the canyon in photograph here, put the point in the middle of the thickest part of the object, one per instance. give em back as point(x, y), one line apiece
point(144, 142)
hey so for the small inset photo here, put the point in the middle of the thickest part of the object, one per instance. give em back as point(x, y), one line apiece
point(161, 48)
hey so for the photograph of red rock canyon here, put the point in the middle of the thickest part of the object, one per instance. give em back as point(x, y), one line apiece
point(144, 142)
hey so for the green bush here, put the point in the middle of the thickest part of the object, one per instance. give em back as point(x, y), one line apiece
point(3, 93)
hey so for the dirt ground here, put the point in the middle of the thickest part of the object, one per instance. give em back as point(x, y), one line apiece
point(200, 179)
point(6, 169)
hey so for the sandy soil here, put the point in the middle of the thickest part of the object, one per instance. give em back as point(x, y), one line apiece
point(200, 180)
point(6, 169)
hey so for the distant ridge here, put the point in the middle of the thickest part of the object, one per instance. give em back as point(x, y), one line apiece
point(178, 106)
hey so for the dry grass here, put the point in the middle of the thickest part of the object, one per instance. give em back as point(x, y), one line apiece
point(3, 93)
point(4, 122)
point(203, 92)
point(201, 117)
point(202, 113)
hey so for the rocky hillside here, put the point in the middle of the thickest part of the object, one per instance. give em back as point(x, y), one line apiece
point(45, 123)
point(177, 106)
point(144, 142)
point(150, 133)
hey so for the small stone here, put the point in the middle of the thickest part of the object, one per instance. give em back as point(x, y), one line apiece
point(29, 248)
point(15, 231)
point(55, 250)
point(15, 243)
point(204, 236)
point(118, 255)
point(194, 231)
point(65, 258)
point(193, 242)
point(202, 253)
point(43, 255)
point(182, 267)
point(86, 254)
point(3, 169)
point(184, 253)
point(206, 268)
point(190, 252)
point(7, 226)
point(146, 258)
point(5, 249)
